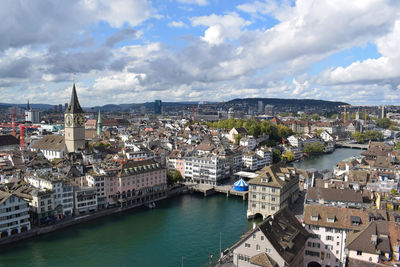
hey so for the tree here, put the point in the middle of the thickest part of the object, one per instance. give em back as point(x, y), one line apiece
point(170, 178)
point(315, 117)
point(276, 155)
point(237, 139)
point(288, 155)
point(359, 137)
point(319, 132)
point(373, 135)
point(398, 145)
point(384, 123)
point(393, 127)
point(314, 148)
point(177, 177)
point(393, 191)
point(303, 116)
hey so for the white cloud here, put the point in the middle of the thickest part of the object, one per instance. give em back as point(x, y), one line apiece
point(177, 24)
point(223, 27)
point(194, 2)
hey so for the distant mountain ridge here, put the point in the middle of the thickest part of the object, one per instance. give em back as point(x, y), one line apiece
point(249, 101)
point(284, 101)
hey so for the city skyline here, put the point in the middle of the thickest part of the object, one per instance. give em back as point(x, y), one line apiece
point(195, 50)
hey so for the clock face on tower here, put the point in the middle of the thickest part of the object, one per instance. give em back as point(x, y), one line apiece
point(68, 120)
point(79, 120)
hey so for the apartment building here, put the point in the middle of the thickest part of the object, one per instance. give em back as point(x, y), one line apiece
point(208, 169)
point(330, 227)
point(14, 215)
point(276, 187)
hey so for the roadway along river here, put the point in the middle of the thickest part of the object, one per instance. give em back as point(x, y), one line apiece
point(187, 226)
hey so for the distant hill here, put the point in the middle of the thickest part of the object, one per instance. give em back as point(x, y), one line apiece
point(287, 102)
point(34, 106)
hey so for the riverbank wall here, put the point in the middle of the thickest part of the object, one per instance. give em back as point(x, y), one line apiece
point(37, 231)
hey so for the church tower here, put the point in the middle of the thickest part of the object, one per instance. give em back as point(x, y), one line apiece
point(74, 124)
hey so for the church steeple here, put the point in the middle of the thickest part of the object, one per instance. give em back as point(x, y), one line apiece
point(99, 124)
point(27, 106)
point(74, 106)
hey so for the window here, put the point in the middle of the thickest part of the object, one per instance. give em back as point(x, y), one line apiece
point(262, 238)
point(328, 255)
point(329, 237)
point(263, 206)
point(329, 230)
point(246, 245)
point(272, 199)
point(258, 247)
point(268, 250)
point(313, 227)
point(312, 253)
point(254, 236)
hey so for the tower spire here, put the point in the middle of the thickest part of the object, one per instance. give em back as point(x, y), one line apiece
point(74, 106)
point(28, 106)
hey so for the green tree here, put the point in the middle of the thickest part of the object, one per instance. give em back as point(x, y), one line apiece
point(393, 191)
point(276, 155)
point(384, 123)
point(314, 148)
point(315, 117)
point(373, 135)
point(170, 178)
point(237, 139)
point(303, 117)
point(319, 132)
point(177, 177)
point(359, 137)
point(398, 145)
point(393, 127)
point(288, 155)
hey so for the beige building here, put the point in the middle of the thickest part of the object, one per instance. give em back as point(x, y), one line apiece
point(278, 241)
point(74, 121)
point(275, 188)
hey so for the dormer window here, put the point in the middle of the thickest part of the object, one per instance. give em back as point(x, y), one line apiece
point(355, 220)
point(330, 219)
point(314, 217)
point(371, 217)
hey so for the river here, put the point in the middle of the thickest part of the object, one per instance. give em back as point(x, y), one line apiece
point(187, 226)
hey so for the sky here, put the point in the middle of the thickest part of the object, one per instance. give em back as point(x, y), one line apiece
point(135, 51)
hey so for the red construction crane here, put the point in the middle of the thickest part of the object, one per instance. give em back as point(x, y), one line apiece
point(22, 128)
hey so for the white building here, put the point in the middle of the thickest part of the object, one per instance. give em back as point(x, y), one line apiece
point(63, 197)
point(52, 146)
point(207, 169)
point(14, 215)
point(85, 200)
point(248, 142)
point(300, 141)
point(99, 182)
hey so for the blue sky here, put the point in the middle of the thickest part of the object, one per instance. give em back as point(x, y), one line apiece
point(132, 51)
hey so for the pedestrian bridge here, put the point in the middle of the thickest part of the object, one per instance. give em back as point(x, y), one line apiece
point(348, 144)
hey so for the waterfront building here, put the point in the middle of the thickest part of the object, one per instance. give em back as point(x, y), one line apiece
point(14, 214)
point(278, 241)
point(62, 197)
point(85, 199)
point(276, 187)
point(266, 154)
point(99, 182)
point(252, 161)
point(133, 183)
point(330, 227)
point(300, 141)
point(42, 206)
point(208, 169)
point(74, 124)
